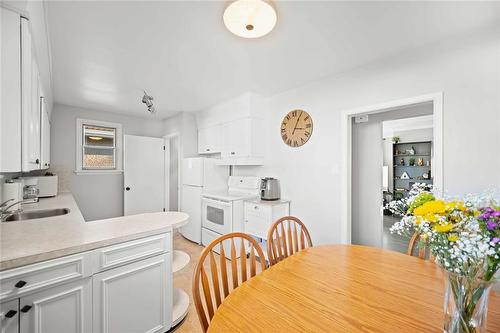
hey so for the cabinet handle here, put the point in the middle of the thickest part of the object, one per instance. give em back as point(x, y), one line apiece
point(256, 207)
point(37, 161)
point(232, 153)
point(207, 149)
point(20, 284)
point(127, 188)
point(26, 308)
point(10, 313)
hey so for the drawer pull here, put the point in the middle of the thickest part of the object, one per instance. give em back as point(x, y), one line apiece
point(26, 308)
point(20, 284)
point(10, 314)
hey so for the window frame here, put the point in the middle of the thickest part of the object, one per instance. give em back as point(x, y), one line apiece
point(118, 149)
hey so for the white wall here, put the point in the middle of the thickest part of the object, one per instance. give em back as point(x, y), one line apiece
point(466, 70)
point(98, 196)
point(183, 124)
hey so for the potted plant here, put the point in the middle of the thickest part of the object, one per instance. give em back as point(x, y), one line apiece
point(411, 161)
point(464, 237)
point(395, 139)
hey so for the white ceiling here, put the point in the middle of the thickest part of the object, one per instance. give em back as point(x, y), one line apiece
point(105, 53)
point(406, 124)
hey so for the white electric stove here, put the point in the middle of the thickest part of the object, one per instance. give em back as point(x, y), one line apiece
point(222, 212)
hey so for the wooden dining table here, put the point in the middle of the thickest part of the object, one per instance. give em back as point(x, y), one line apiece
point(342, 288)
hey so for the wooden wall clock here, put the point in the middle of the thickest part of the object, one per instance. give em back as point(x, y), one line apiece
point(296, 128)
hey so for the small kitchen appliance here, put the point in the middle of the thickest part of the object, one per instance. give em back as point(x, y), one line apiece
point(270, 189)
point(46, 184)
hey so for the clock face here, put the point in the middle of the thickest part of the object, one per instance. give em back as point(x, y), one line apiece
point(296, 128)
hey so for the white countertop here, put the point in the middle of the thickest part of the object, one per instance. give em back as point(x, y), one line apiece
point(259, 201)
point(26, 242)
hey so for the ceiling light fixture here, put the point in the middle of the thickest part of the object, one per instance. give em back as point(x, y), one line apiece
point(250, 18)
point(148, 100)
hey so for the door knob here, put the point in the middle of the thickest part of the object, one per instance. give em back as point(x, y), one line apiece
point(26, 308)
point(127, 188)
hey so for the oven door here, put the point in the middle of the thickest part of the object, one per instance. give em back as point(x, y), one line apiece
point(217, 215)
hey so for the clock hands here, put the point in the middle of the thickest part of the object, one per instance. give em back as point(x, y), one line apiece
point(297, 123)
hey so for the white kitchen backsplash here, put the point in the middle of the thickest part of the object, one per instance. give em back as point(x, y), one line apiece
point(63, 177)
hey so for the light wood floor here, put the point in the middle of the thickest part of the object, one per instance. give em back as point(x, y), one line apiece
point(183, 280)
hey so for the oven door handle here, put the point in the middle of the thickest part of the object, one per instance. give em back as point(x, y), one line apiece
point(216, 203)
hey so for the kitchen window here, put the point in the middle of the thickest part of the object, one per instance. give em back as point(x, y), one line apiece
point(98, 147)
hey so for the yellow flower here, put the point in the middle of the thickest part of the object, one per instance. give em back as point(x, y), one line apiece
point(451, 205)
point(442, 228)
point(418, 220)
point(453, 237)
point(430, 207)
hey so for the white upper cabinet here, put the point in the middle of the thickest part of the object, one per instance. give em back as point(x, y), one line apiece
point(21, 115)
point(235, 129)
point(209, 140)
point(243, 138)
point(237, 138)
point(31, 123)
point(10, 101)
point(45, 134)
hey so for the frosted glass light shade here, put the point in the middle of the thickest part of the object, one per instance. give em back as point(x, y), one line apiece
point(250, 18)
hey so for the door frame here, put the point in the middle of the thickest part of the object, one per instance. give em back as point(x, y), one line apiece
point(346, 136)
point(166, 142)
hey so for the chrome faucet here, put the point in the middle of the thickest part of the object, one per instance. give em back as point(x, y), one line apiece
point(5, 213)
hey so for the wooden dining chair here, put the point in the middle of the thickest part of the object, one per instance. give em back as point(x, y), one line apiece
point(416, 242)
point(285, 237)
point(208, 294)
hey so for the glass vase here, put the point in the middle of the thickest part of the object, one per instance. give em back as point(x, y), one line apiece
point(465, 304)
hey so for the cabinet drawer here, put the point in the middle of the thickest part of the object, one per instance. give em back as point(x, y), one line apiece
point(259, 210)
point(120, 254)
point(45, 274)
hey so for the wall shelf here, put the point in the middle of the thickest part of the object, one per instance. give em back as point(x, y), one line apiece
point(400, 151)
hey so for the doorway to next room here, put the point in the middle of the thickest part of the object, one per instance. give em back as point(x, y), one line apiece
point(391, 151)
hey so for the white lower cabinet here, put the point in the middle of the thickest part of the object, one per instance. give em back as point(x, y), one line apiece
point(122, 288)
point(63, 309)
point(134, 298)
point(9, 316)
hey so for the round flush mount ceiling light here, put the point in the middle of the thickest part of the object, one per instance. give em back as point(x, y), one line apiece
point(250, 18)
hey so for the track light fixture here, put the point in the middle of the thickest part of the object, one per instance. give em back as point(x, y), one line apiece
point(148, 100)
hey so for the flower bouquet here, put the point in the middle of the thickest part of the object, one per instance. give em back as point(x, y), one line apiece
point(464, 238)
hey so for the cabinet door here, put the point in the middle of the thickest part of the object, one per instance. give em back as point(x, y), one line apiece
point(29, 103)
point(209, 140)
point(45, 135)
point(134, 298)
point(10, 91)
point(63, 309)
point(237, 137)
point(9, 316)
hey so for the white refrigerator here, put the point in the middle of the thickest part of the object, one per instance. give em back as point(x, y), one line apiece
point(199, 174)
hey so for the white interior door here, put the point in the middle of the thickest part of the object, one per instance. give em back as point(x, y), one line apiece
point(367, 161)
point(144, 173)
